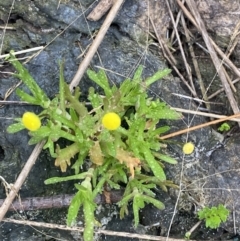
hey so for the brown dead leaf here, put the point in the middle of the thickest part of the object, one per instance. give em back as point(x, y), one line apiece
point(62, 163)
point(95, 154)
point(127, 158)
point(64, 156)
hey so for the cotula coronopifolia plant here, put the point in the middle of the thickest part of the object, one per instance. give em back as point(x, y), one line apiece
point(118, 137)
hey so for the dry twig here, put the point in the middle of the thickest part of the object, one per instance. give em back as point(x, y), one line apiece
point(102, 7)
point(225, 59)
point(57, 201)
point(193, 128)
point(92, 50)
point(187, 67)
point(169, 57)
point(216, 61)
point(221, 89)
point(195, 112)
point(22, 51)
point(100, 231)
point(195, 63)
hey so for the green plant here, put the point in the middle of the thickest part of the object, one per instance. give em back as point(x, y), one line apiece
point(224, 127)
point(119, 134)
point(213, 216)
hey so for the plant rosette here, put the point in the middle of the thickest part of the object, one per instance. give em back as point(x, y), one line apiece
point(119, 139)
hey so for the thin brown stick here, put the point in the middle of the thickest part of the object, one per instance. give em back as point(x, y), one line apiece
point(193, 228)
point(207, 114)
point(221, 89)
point(7, 27)
point(216, 61)
point(195, 63)
point(22, 51)
point(14, 102)
point(193, 128)
point(229, 80)
point(58, 201)
point(180, 13)
point(169, 57)
point(20, 180)
point(234, 40)
point(219, 51)
point(80, 229)
point(92, 50)
point(102, 7)
point(187, 67)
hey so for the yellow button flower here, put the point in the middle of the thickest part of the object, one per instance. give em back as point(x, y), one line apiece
point(188, 148)
point(111, 121)
point(31, 121)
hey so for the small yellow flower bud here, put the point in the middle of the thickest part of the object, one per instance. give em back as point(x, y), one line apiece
point(31, 121)
point(111, 121)
point(188, 148)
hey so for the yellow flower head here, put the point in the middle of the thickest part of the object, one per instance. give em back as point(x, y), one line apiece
point(111, 121)
point(188, 148)
point(31, 121)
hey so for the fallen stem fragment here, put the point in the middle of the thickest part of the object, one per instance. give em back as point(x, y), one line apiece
point(217, 63)
point(23, 51)
point(177, 133)
point(80, 229)
point(92, 50)
point(195, 112)
point(58, 201)
point(102, 7)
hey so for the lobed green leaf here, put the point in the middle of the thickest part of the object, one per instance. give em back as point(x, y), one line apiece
point(158, 75)
point(100, 79)
point(138, 74)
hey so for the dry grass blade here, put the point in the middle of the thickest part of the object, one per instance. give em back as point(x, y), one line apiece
point(9, 92)
point(195, 112)
point(187, 67)
point(225, 59)
point(195, 63)
point(22, 51)
point(234, 40)
point(193, 128)
point(169, 57)
point(13, 102)
point(216, 61)
point(79, 229)
point(5, 27)
point(221, 90)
